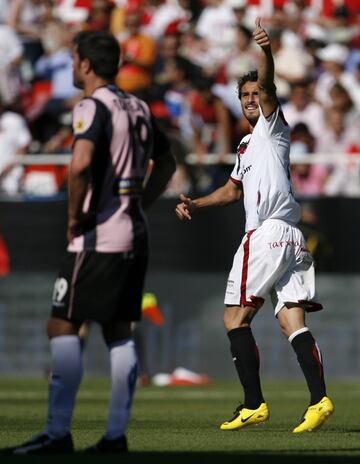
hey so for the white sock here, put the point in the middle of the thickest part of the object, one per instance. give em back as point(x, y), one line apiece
point(123, 363)
point(297, 332)
point(65, 380)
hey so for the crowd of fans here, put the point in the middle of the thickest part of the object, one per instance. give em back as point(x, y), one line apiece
point(184, 58)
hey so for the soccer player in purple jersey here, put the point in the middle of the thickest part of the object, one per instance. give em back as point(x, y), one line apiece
point(272, 258)
point(102, 275)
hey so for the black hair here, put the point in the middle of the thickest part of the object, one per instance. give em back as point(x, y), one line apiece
point(182, 64)
point(246, 31)
point(303, 83)
point(102, 50)
point(251, 76)
point(300, 128)
point(203, 83)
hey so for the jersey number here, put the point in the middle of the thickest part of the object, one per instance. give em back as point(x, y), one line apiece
point(141, 141)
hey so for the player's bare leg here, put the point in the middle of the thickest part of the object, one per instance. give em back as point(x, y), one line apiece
point(123, 362)
point(292, 322)
point(237, 320)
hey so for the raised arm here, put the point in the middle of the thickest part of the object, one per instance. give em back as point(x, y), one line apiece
point(225, 195)
point(267, 89)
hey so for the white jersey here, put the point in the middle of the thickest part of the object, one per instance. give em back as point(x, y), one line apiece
point(263, 168)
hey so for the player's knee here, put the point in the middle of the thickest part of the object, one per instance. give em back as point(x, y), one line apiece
point(235, 318)
point(57, 327)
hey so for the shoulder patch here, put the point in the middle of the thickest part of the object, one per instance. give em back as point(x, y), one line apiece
point(83, 116)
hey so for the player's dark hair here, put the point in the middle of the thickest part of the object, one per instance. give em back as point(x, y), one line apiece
point(251, 76)
point(102, 50)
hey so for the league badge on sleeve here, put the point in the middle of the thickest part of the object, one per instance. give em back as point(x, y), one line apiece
point(83, 117)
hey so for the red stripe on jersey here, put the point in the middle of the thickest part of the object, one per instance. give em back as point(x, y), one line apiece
point(311, 306)
point(237, 182)
point(245, 268)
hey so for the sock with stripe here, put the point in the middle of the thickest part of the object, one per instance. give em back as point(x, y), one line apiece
point(123, 364)
point(247, 362)
point(66, 365)
point(310, 360)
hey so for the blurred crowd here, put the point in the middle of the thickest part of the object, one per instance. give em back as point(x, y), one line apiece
point(184, 58)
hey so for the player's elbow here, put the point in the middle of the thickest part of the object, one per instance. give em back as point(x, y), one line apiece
point(232, 192)
point(79, 169)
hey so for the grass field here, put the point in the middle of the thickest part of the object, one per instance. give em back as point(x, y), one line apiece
point(180, 424)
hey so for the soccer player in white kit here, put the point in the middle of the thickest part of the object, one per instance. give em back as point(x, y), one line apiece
point(272, 258)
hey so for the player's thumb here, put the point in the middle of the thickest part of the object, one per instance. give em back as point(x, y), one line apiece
point(183, 197)
point(258, 22)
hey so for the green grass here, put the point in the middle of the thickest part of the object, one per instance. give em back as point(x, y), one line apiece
point(180, 424)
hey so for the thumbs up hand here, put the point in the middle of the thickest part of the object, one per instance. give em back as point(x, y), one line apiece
point(260, 36)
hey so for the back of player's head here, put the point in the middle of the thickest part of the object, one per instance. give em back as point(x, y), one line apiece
point(102, 50)
point(251, 76)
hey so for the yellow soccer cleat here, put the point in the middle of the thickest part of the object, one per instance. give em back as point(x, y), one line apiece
point(315, 416)
point(244, 417)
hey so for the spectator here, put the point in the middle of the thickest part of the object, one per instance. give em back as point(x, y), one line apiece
point(169, 51)
point(239, 9)
point(240, 61)
point(210, 121)
point(55, 66)
point(216, 26)
point(99, 16)
point(72, 11)
point(11, 52)
point(341, 100)
point(28, 18)
point(211, 132)
point(165, 14)
point(308, 179)
point(302, 109)
point(197, 50)
point(176, 97)
point(139, 54)
point(334, 57)
point(14, 140)
point(339, 139)
point(292, 64)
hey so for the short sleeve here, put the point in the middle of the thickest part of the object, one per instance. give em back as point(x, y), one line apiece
point(235, 174)
point(89, 119)
point(275, 123)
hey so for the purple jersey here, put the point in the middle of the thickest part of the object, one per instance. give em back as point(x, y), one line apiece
point(123, 132)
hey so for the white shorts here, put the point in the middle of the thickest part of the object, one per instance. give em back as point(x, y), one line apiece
point(273, 259)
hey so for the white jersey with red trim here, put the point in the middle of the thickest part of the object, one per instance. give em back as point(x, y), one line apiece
point(263, 168)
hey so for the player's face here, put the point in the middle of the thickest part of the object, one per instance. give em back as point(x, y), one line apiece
point(249, 99)
point(77, 75)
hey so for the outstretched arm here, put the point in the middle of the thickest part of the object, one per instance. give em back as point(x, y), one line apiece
point(225, 195)
point(164, 167)
point(267, 89)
